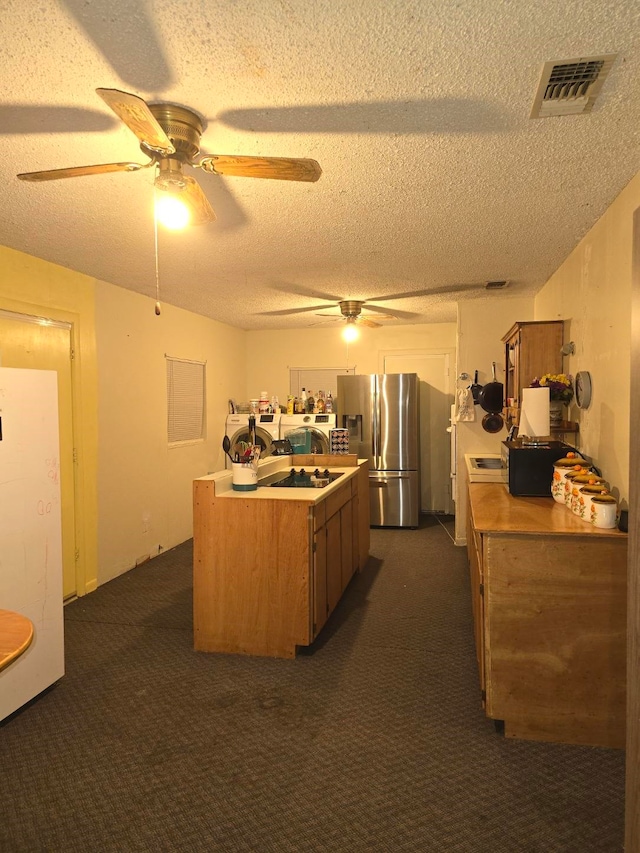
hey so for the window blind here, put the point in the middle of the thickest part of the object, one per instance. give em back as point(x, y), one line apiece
point(185, 400)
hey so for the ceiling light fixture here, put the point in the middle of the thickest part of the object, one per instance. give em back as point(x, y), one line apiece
point(172, 212)
point(350, 332)
point(171, 201)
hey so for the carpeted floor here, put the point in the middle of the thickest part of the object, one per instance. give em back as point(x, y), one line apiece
point(372, 740)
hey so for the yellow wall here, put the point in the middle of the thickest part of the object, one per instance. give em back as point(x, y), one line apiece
point(145, 487)
point(29, 285)
point(592, 290)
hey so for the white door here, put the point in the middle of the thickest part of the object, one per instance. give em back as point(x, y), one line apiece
point(436, 397)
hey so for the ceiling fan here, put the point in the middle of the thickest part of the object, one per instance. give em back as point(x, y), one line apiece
point(170, 136)
point(351, 309)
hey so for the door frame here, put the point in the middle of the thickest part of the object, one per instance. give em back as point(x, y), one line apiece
point(85, 519)
point(428, 352)
point(632, 786)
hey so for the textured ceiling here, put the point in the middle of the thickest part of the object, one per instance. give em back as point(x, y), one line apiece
point(418, 113)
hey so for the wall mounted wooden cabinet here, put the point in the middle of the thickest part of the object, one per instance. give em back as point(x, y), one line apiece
point(531, 349)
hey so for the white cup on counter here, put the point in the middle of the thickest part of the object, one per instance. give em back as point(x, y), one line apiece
point(244, 476)
point(604, 511)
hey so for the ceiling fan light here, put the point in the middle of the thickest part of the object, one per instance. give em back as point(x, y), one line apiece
point(350, 333)
point(171, 211)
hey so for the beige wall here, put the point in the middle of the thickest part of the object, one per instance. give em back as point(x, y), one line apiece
point(592, 290)
point(145, 487)
point(271, 354)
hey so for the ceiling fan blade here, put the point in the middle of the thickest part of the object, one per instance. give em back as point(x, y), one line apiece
point(201, 210)
point(365, 321)
point(80, 171)
point(278, 168)
point(283, 312)
point(135, 113)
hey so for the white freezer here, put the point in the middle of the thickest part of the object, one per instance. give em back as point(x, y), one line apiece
point(30, 529)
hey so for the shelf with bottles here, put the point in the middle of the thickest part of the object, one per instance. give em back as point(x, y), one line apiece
point(310, 403)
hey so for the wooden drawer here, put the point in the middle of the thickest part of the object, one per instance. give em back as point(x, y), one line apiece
point(337, 499)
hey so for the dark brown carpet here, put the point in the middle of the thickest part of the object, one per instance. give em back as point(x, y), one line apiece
point(373, 740)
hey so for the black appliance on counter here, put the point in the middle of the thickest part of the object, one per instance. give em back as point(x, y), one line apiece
point(530, 466)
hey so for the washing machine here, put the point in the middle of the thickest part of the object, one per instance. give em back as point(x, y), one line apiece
point(267, 429)
point(318, 426)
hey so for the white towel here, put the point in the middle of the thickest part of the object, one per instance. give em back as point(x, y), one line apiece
point(466, 407)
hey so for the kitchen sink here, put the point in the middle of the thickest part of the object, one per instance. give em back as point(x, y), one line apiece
point(488, 463)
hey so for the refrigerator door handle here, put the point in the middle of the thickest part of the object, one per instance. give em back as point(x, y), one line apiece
point(375, 430)
point(383, 476)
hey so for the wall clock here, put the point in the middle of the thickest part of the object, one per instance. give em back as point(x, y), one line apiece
point(583, 389)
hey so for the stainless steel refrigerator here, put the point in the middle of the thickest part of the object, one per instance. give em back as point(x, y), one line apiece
point(381, 413)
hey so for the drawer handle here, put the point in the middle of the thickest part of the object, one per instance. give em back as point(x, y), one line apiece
point(380, 484)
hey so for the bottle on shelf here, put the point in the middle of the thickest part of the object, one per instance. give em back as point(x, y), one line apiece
point(303, 397)
point(298, 406)
point(328, 404)
point(310, 403)
point(275, 405)
point(290, 404)
point(321, 405)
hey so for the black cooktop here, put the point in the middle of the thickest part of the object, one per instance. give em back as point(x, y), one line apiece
point(300, 479)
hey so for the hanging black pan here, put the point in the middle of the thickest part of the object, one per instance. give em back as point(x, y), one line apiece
point(492, 422)
point(475, 388)
point(491, 395)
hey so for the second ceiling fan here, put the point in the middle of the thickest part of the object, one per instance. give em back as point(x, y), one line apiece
point(169, 135)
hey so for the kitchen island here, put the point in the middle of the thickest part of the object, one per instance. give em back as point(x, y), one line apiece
point(270, 565)
point(549, 608)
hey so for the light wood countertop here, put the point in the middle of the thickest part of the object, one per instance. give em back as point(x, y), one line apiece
point(494, 510)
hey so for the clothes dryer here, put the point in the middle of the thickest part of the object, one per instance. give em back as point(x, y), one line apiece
point(267, 429)
point(317, 425)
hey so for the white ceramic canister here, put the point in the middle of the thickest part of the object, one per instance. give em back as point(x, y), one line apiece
point(581, 506)
point(604, 511)
point(578, 483)
point(560, 469)
point(244, 476)
point(568, 481)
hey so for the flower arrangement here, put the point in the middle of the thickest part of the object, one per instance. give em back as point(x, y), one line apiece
point(559, 384)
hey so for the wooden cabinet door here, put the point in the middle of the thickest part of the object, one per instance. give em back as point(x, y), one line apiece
point(320, 603)
point(334, 560)
point(355, 531)
point(346, 537)
point(474, 553)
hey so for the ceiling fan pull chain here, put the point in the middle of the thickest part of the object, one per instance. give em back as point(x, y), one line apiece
point(155, 235)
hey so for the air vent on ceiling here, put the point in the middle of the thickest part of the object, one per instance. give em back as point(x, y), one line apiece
point(496, 285)
point(570, 86)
